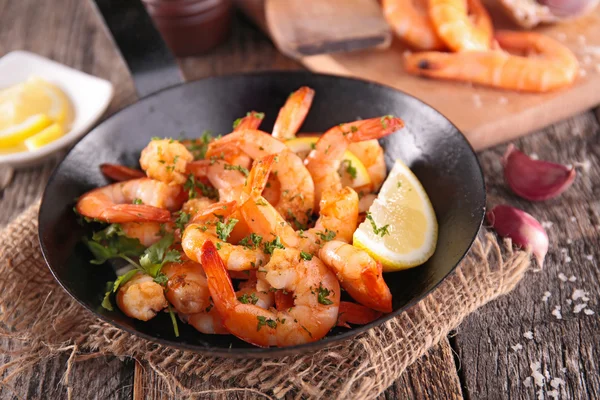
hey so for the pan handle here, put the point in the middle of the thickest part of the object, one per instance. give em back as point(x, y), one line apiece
point(151, 63)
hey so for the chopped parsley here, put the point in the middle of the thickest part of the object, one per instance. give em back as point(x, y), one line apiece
point(191, 185)
point(237, 122)
point(224, 229)
point(252, 241)
point(198, 147)
point(378, 231)
point(399, 184)
point(385, 119)
point(248, 299)
point(182, 219)
point(261, 202)
point(231, 167)
point(262, 321)
point(268, 247)
point(306, 256)
point(350, 169)
point(327, 236)
point(137, 201)
point(322, 295)
point(257, 115)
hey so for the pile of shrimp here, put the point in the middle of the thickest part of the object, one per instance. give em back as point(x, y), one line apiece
point(266, 243)
point(455, 40)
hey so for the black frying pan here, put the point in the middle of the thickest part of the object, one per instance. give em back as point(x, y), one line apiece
point(436, 151)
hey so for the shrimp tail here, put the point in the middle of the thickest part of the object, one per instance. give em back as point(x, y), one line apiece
point(259, 175)
point(252, 120)
point(292, 114)
point(135, 213)
point(355, 314)
point(222, 209)
point(378, 290)
point(219, 282)
point(120, 173)
point(373, 128)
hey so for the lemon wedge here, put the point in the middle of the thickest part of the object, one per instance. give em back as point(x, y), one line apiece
point(44, 137)
point(352, 171)
point(16, 134)
point(401, 228)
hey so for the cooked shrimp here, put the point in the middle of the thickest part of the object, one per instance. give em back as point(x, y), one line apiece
point(355, 314)
point(166, 160)
point(464, 25)
point(296, 196)
point(141, 298)
point(147, 233)
point(371, 154)
point(120, 173)
point(554, 66)
point(324, 161)
point(410, 21)
point(359, 274)
point(292, 114)
point(113, 203)
point(187, 289)
point(205, 228)
point(316, 300)
point(208, 322)
point(338, 219)
point(252, 120)
point(196, 205)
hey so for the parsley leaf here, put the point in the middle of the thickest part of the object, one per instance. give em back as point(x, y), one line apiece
point(231, 167)
point(182, 219)
point(384, 120)
point(327, 236)
point(306, 256)
point(252, 241)
point(262, 321)
point(161, 278)
point(351, 170)
point(199, 146)
point(137, 201)
point(237, 122)
point(158, 254)
point(322, 295)
point(112, 287)
point(112, 242)
point(248, 299)
point(378, 231)
point(173, 320)
point(257, 115)
point(224, 229)
point(268, 247)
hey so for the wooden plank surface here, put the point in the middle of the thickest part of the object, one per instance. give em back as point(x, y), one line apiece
point(568, 348)
point(488, 367)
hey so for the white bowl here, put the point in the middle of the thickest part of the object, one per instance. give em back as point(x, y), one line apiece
point(90, 97)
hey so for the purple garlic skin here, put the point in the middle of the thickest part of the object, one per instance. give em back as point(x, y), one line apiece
point(535, 180)
point(569, 8)
point(524, 230)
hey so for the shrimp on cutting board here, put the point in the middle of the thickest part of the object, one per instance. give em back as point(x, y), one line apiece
point(411, 22)
point(464, 25)
point(541, 64)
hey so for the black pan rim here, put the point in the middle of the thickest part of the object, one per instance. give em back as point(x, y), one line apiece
point(258, 352)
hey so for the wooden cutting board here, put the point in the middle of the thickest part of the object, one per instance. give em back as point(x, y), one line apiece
point(486, 116)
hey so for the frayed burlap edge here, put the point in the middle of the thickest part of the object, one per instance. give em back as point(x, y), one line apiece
point(41, 321)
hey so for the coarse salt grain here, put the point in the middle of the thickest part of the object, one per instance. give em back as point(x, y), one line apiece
point(547, 374)
point(536, 375)
point(563, 277)
point(564, 250)
point(534, 156)
point(556, 312)
point(568, 259)
point(587, 311)
point(578, 307)
point(528, 335)
point(573, 219)
point(579, 294)
point(546, 296)
point(527, 382)
point(569, 241)
point(553, 393)
point(563, 370)
point(547, 224)
point(589, 257)
point(569, 301)
point(556, 382)
point(572, 278)
point(517, 347)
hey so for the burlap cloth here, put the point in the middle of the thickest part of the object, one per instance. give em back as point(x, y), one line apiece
point(39, 321)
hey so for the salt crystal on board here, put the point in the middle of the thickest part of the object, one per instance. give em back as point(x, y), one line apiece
point(578, 307)
point(553, 393)
point(517, 347)
point(573, 219)
point(568, 259)
point(556, 382)
point(563, 277)
point(547, 224)
point(569, 241)
point(527, 382)
point(556, 312)
point(579, 294)
point(589, 257)
point(528, 335)
point(569, 301)
point(547, 374)
point(587, 311)
point(572, 278)
point(537, 376)
point(546, 296)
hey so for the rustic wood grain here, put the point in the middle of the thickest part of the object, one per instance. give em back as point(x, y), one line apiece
point(491, 369)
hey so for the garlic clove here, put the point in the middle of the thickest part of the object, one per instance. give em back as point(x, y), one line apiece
point(535, 180)
point(524, 230)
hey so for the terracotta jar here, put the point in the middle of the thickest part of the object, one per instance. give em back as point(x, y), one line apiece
point(191, 27)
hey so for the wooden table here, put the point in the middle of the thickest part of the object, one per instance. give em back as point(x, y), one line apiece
point(477, 361)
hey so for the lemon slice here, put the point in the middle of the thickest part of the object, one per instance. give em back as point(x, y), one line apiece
point(44, 137)
point(15, 134)
point(352, 171)
point(32, 97)
point(401, 229)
